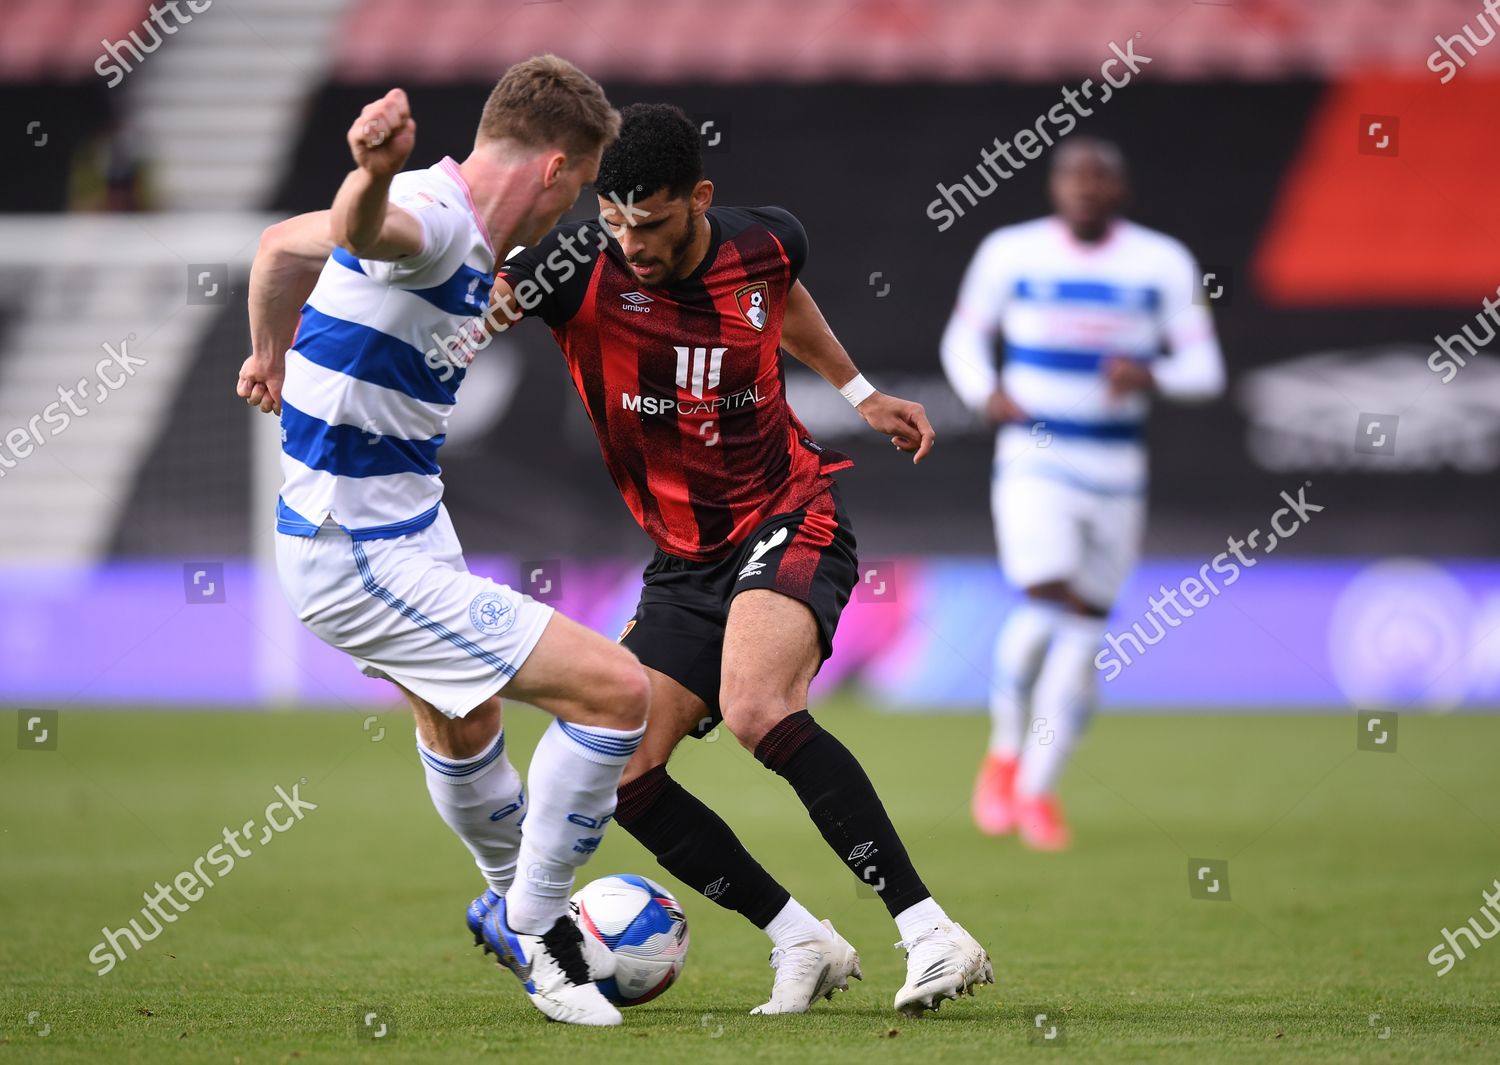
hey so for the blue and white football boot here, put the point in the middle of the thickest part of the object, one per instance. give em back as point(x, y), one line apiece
point(557, 968)
point(479, 909)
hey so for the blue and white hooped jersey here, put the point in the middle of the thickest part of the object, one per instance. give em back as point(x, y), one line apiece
point(1064, 310)
point(364, 406)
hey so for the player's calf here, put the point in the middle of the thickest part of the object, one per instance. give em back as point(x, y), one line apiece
point(599, 695)
point(474, 787)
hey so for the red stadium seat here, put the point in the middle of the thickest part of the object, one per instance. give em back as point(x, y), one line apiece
point(61, 38)
point(1063, 40)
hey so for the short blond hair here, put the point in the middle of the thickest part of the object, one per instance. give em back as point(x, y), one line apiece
point(545, 102)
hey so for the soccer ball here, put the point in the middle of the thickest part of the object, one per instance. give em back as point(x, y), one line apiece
point(645, 928)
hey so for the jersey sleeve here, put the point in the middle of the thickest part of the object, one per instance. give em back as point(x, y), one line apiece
point(446, 239)
point(1193, 367)
point(550, 279)
point(788, 233)
point(967, 345)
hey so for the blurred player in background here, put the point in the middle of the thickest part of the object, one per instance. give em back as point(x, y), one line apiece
point(365, 551)
point(672, 321)
point(1097, 314)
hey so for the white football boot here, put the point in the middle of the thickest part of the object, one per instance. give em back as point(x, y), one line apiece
point(599, 958)
point(557, 969)
point(809, 971)
point(941, 963)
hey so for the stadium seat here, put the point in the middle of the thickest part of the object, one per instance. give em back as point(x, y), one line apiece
point(60, 39)
point(888, 39)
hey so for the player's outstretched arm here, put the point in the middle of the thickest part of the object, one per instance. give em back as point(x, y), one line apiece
point(285, 270)
point(504, 311)
point(806, 337)
point(364, 222)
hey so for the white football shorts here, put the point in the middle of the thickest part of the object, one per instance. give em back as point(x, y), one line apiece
point(407, 609)
point(1049, 530)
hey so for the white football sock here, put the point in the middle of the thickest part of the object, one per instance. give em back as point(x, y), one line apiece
point(1062, 702)
point(920, 917)
point(573, 777)
point(793, 925)
point(1018, 656)
point(483, 801)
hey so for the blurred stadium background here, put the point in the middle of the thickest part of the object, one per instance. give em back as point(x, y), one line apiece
point(145, 164)
point(1330, 164)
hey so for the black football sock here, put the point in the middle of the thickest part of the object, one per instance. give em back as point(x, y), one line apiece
point(842, 802)
point(695, 845)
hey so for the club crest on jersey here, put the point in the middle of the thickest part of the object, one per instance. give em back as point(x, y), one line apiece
point(492, 614)
point(754, 302)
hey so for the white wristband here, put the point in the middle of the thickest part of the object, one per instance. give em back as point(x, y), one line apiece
point(857, 390)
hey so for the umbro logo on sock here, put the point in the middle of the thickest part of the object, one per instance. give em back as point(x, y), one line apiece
point(863, 851)
point(717, 888)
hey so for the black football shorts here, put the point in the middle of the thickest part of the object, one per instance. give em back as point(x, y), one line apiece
point(678, 628)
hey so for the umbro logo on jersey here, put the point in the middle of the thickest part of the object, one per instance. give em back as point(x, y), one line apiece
point(636, 302)
point(755, 565)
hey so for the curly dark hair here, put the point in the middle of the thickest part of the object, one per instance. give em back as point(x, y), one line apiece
point(657, 149)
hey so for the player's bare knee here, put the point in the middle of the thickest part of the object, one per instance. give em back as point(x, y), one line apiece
point(750, 715)
point(629, 694)
point(1062, 594)
point(1051, 592)
point(461, 737)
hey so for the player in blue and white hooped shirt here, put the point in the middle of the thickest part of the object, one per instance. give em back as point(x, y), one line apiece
point(366, 553)
point(1097, 314)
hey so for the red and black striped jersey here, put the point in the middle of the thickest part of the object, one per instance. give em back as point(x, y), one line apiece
point(684, 384)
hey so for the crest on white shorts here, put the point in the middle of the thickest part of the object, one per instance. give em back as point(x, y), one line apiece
point(492, 614)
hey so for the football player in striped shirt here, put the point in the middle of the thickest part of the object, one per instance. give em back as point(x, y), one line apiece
point(1097, 315)
point(672, 317)
point(366, 553)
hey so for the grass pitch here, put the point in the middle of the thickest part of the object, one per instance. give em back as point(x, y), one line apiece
point(1343, 869)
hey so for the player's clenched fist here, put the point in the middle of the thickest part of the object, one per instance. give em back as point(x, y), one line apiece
point(384, 134)
point(259, 383)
